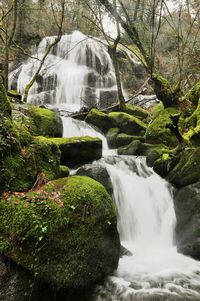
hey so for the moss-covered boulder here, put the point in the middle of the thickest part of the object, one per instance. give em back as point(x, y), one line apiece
point(138, 148)
point(116, 139)
point(78, 150)
point(127, 124)
point(38, 121)
point(187, 207)
point(187, 170)
point(136, 111)
point(161, 128)
point(35, 163)
point(64, 233)
point(99, 119)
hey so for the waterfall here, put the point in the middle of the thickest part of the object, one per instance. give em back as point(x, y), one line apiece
point(77, 72)
point(146, 219)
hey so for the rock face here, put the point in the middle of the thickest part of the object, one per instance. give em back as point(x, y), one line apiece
point(64, 234)
point(98, 173)
point(187, 207)
point(78, 150)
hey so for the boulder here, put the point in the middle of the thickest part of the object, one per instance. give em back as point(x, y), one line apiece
point(64, 234)
point(159, 131)
point(127, 124)
point(116, 139)
point(136, 111)
point(187, 170)
point(38, 121)
point(99, 119)
point(187, 207)
point(77, 150)
point(98, 173)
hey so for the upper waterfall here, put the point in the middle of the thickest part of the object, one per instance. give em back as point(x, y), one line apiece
point(77, 72)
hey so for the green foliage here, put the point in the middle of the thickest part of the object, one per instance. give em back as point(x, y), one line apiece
point(193, 94)
point(136, 111)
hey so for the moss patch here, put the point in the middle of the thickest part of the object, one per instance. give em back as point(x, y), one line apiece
point(99, 119)
point(187, 170)
point(159, 130)
point(127, 124)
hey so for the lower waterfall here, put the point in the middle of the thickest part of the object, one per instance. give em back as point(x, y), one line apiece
point(146, 222)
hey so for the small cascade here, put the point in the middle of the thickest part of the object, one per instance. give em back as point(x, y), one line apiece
point(77, 72)
point(146, 219)
point(77, 128)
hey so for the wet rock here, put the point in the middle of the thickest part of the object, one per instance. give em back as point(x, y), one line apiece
point(107, 98)
point(187, 207)
point(98, 173)
point(125, 252)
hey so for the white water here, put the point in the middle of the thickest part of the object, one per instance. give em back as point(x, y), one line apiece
point(146, 221)
point(78, 72)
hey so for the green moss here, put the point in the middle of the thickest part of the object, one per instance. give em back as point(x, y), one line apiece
point(46, 122)
point(193, 94)
point(127, 123)
point(14, 94)
point(64, 234)
point(64, 171)
point(168, 95)
point(136, 111)
point(5, 107)
point(156, 110)
point(99, 119)
point(34, 163)
point(159, 132)
point(187, 170)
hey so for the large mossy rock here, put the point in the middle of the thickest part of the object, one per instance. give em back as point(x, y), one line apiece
point(127, 124)
point(64, 234)
point(187, 207)
point(38, 121)
point(187, 171)
point(99, 119)
point(159, 131)
point(78, 150)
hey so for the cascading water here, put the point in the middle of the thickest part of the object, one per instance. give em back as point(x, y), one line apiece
point(77, 72)
point(146, 221)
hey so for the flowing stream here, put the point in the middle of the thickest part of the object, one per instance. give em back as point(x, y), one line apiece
point(146, 222)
